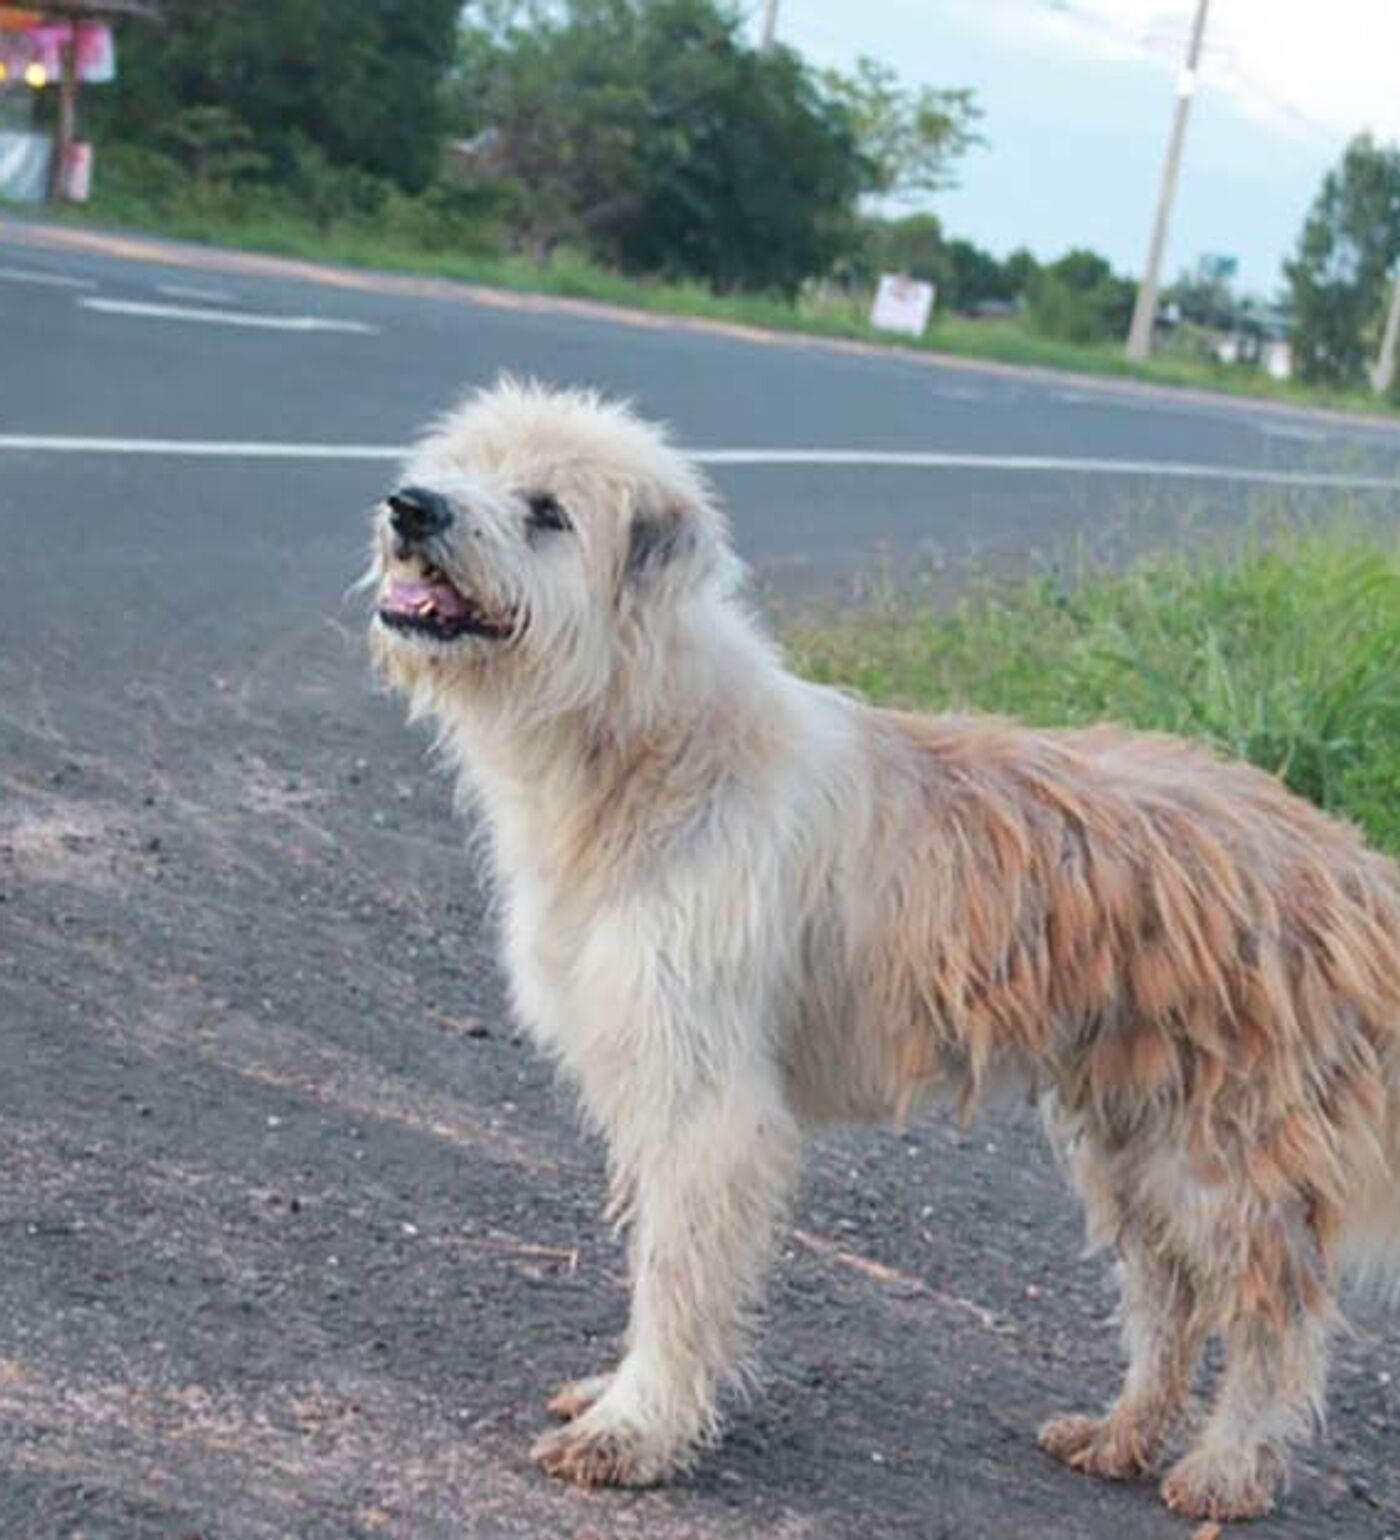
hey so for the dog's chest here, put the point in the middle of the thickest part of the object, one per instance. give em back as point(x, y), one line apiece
point(567, 962)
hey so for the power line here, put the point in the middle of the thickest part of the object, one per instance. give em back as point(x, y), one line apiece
point(1225, 54)
point(1145, 310)
point(1280, 104)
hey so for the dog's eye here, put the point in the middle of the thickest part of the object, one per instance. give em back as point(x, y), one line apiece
point(545, 512)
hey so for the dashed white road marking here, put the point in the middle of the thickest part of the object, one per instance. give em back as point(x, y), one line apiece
point(856, 459)
point(1295, 433)
point(1109, 399)
point(189, 291)
point(280, 323)
point(37, 275)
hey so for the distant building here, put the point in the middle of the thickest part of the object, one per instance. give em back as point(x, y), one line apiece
point(1258, 338)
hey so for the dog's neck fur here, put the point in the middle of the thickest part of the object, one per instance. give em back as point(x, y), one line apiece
point(616, 773)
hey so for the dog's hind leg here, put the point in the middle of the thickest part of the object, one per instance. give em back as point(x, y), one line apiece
point(1276, 1314)
point(710, 1184)
point(1163, 1329)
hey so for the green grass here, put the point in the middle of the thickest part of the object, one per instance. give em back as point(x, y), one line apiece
point(569, 274)
point(1284, 651)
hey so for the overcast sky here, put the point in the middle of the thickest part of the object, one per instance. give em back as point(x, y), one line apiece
point(1078, 97)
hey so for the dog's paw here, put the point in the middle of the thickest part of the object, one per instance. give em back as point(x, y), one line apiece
point(574, 1397)
point(1205, 1485)
point(1116, 1448)
point(603, 1452)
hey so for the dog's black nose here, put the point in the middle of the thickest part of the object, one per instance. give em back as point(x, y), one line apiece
point(416, 513)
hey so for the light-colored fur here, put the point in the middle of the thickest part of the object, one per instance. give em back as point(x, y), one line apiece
point(737, 905)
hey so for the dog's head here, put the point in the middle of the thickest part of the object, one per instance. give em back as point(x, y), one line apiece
point(538, 544)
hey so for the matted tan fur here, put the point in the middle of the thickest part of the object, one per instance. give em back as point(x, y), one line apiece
point(737, 905)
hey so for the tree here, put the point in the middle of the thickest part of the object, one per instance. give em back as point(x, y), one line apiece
point(752, 179)
point(1080, 299)
point(1205, 294)
point(913, 245)
point(212, 145)
point(552, 105)
point(974, 277)
point(911, 139)
point(1022, 269)
point(652, 132)
point(358, 79)
point(1350, 244)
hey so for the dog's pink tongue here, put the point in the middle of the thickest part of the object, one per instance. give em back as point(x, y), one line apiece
point(411, 596)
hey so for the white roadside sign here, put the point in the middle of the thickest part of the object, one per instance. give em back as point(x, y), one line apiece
point(902, 305)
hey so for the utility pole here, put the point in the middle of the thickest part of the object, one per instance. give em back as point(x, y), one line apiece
point(1383, 377)
point(1145, 311)
point(66, 124)
point(770, 24)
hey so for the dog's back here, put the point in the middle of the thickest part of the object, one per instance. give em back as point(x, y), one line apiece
point(1179, 947)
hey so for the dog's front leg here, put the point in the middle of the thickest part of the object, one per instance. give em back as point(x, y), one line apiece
point(710, 1173)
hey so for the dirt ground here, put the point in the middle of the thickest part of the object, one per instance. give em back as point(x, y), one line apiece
point(298, 1234)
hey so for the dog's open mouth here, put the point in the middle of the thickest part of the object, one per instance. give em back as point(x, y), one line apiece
point(430, 605)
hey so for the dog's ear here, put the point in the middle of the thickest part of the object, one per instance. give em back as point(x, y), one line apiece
point(659, 537)
point(675, 543)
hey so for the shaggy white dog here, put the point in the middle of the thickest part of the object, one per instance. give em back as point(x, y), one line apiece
point(737, 905)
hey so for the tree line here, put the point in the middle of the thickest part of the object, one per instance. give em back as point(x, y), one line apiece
point(651, 136)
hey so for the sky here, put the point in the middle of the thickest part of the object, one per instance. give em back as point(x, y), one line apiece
point(1079, 95)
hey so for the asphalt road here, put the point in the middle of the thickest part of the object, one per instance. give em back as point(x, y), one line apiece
point(68, 369)
point(296, 1233)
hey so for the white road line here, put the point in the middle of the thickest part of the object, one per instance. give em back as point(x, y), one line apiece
point(35, 275)
point(856, 459)
point(1182, 470)
point(200, 449)
point(188, 291)
point(281, 323)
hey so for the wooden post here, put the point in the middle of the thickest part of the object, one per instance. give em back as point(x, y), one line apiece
point(65, 130)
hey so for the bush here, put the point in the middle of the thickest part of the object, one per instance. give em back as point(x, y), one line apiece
point(328, 193)
point(204, 172)
point(139, 186)
point(448, 216)
point(135, 185)
point(1080, 299)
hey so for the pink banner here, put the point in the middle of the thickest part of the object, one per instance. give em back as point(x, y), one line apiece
point(22, 51)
